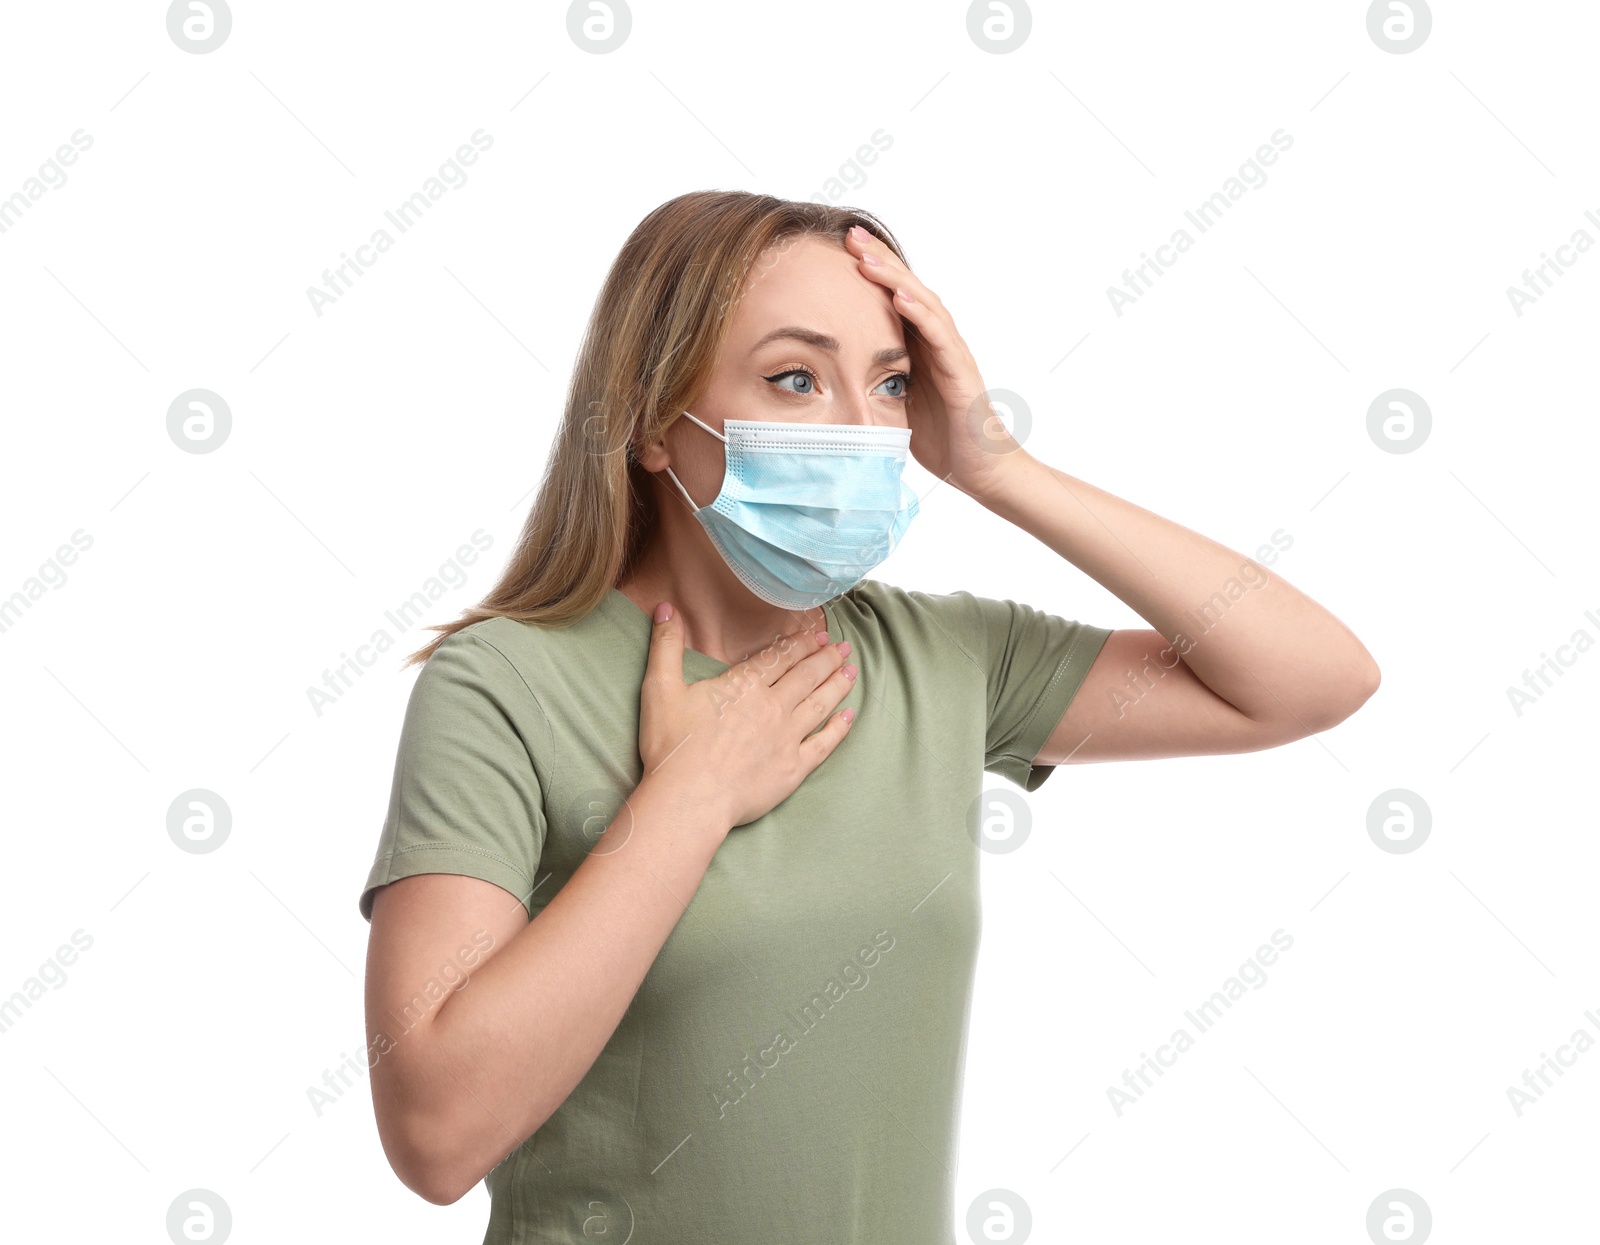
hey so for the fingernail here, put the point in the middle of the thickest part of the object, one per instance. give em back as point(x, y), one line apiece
point(872, 260)
point(822, 637)
point(849, 670)
point(905, 296)
point(849, 715)
point(844, 648)
point(663, 611)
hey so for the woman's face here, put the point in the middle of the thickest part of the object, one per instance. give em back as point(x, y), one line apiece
point(812, 341)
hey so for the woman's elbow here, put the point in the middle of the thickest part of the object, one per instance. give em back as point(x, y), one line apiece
point(1352, 692)
point(1365, 684)
point(416, 1162)
point(440, 1155)
point(422, 1146)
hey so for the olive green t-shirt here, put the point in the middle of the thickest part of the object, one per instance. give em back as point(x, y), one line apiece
point(790, 1069)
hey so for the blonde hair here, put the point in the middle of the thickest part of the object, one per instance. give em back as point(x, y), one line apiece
point(650, 349)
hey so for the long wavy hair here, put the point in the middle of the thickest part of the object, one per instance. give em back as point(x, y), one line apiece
point(650, 350)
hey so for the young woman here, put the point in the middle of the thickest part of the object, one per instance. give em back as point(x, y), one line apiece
point(675, 911)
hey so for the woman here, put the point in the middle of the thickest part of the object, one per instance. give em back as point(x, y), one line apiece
point(688, 802)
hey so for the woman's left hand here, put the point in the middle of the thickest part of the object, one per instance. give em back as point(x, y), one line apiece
point(955, 433)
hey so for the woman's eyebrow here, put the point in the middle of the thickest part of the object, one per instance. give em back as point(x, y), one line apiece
point(889, 354)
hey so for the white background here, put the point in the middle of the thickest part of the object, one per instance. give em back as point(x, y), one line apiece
point(370, 442)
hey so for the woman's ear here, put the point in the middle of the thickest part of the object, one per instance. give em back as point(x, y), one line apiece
point(654, 457)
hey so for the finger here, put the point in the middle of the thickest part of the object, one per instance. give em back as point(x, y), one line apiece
point(945, 349)
point(815, 705)
point(809, 678)
point(916, 302)
point(815, 749)
point(876, 260)
point(774, 661)
point(664, 665)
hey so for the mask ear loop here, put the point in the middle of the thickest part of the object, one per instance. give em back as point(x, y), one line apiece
point(682, 490)
point(673, 474)
point(709, 429)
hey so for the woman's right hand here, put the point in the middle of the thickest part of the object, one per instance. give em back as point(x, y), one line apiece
point(741, 741)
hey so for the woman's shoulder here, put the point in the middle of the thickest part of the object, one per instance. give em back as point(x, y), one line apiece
point(478, 645)
point(528, 672)
point(974, 624)
point(880, 598)
point(909, 616)
point(517, 639)
point(500, 649)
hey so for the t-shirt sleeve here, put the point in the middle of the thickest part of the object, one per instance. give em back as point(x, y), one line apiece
point(467, 795)
point(1034, 662)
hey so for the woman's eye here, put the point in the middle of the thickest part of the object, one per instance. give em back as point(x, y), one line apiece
point(807, 382)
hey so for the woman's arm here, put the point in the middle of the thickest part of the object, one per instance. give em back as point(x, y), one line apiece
point(1271, 664)
point(1239, 659)
point(457, 1087)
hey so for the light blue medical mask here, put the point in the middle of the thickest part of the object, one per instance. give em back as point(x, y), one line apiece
point(807, 510)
